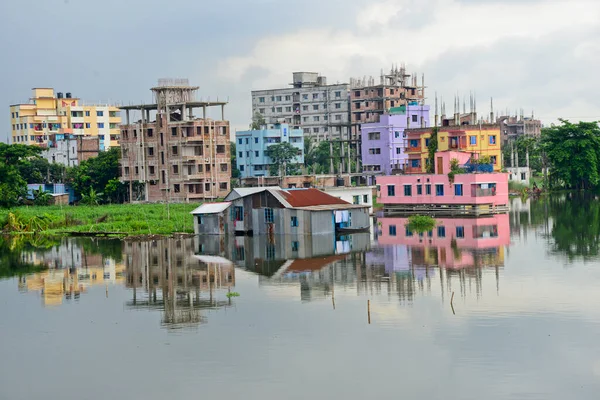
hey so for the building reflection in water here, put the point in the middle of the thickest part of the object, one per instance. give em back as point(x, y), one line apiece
point(168, 276)
point(314, 262)
point(457, 249)
point(72, 268)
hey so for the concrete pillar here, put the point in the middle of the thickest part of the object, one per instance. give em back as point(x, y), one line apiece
point(190, 113)
point(222, 112)
point(203, 112)
point(182, 110)
point(331, 170)
point(127, 116)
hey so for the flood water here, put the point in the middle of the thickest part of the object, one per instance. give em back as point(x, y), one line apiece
point(495, 308)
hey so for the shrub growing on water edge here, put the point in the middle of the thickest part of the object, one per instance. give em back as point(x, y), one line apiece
point(420, 223)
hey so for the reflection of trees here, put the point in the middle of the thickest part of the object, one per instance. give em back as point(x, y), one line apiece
point(13, 249)
point(575, 226)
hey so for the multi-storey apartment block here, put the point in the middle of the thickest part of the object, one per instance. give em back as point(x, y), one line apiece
point(384, 142)
point(310, 104)
point(369, 101)
point(174, 155)
point(58, 115)
point(252, 160)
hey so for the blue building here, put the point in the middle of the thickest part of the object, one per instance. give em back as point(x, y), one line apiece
point(251, 147)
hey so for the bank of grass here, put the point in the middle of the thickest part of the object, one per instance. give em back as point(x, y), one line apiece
point(125, 219)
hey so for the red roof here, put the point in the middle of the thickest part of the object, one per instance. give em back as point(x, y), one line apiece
point(313, 264)
point(309, 197)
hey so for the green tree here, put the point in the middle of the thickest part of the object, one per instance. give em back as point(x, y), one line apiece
point(39, 170)
point(235, 172)
point(96, 172)
point(13, 188)
point(115, 191)
point(521, 146)
point(432, 149)
point(573, 151)
point(92, 198)
point(281, 155)
point(41, 197)
point(258, 121)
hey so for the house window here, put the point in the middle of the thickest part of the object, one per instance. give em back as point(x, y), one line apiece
point(338, 118)
point(223, 185)
point(414, 143)
point(295, 245)
point(247, 141)
point(150, 151)
point(175, 169)
point(338, 105)
point(460, 231)
point(439, 190)
point(242, 168)
point(493, 159)
point(174, 150)
point(391, 190)
point(426, 142)
point(473, 140)
point(177, 188)
point(316, 118)
point(315, 107)
point(288, 109)
point(415, 163)
point(88, 125)
point(374, 151)
point(100, 113)
point(355, 199)
point(279, 109)
point(239, 141)
point(492, 139)
point(294, 222)
point(304, 108)
point(419, 190)
point(408, 232)
point(523, 176)
point(407, 190)
point(237, 213)
point(137, 170)
point(315, 130)
point(374, 135)
point(241, 154)
point(200, 220)
point(261, 99)
point(278, 98)
point(224, 168)
point(415, 118)
point(338, 94)
point(441, 232)
point(255, 140)
point(398, 150)
point(256, 153)
point(458, 189)
point(365, 198)
point(315, 96)
point(392, 230)
point(221, 149)
point(101, 125)
point(151, 169)
point(269, 215)
point(304, 97)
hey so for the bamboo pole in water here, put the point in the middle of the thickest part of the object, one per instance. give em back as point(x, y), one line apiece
point(369, 311)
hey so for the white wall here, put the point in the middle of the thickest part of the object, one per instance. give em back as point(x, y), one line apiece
point(348, 193)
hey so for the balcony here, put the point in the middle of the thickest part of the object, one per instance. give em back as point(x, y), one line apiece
point(457, 143)
point(413, 170)
point(412, 149)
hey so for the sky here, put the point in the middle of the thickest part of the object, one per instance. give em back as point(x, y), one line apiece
point(542, 56)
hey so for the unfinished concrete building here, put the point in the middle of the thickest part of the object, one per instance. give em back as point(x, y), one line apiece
point(170, 154)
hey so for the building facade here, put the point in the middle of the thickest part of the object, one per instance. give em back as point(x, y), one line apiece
point(172, 155)
point(369, 101)
point(310, 104)
point(384, 142)
point(513, 127)
point(49, 114)
point(71, 150)
point(251, 147)
point(481, 140)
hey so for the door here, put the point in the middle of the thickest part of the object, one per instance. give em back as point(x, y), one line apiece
point(440, 166)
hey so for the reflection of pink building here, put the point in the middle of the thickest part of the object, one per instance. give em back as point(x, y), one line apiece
point(453, 243)
point(483, 193)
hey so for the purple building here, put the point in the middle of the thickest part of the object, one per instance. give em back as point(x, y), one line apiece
point(383, 142)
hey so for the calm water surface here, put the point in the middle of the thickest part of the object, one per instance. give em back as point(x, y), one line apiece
point(153, 320)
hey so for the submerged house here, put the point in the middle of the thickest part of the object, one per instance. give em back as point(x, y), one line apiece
point(272, 210)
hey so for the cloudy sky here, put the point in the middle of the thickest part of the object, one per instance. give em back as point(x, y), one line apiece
point(539, 55)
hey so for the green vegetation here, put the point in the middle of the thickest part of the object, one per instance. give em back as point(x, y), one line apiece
point(125, 219)
point(258, 121)
point(573, 151)
point(13, 187)
point(516, 186)
point(281, 155)
point(100, 174)
point(432, 148)
point(454, 169)
point(420, 223)
point(232, 294)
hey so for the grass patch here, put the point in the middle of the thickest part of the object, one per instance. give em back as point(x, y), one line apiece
point(517, 186)
point(126, 219)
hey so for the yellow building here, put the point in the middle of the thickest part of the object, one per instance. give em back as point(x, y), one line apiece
point(480, 140)
point(49, 114)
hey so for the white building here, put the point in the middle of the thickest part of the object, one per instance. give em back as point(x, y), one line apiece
point(519, 174)
point(353, 195)
point(310, 104)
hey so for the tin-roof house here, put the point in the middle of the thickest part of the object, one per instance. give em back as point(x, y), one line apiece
point(272, 210)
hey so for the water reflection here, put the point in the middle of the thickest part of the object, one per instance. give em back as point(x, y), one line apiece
point(166, 275)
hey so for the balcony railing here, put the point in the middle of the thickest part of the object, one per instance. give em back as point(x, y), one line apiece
point(477, 192)
point(413, 170)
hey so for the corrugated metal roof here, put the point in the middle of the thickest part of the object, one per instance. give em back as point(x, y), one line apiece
point(214, 260)
point(243, 192)
point(211, 208)
point(333, 207)
point(310, 197)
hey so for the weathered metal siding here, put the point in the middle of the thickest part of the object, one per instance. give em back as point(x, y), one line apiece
point(322, 222)
point(360, 218)
point(211, 224)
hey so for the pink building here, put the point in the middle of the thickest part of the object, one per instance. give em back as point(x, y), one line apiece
point(453, 243)
point(474, 193)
